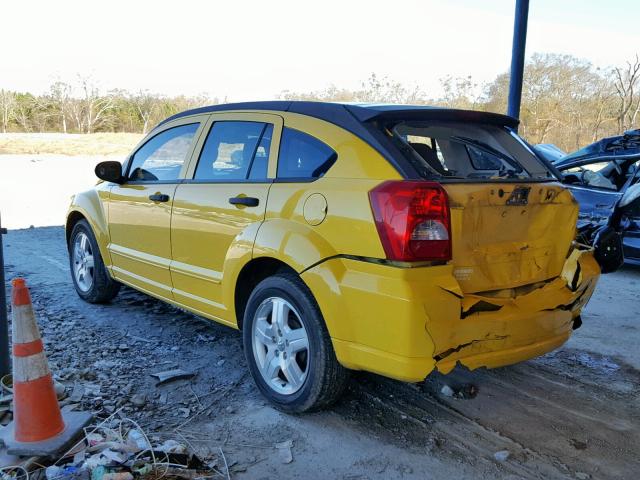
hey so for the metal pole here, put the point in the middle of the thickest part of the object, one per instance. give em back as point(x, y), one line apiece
point(5, 365)
point(517, 57)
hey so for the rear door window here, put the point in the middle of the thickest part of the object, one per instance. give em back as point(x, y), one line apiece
point(303, 157)
point(235, 151)
point(162, 157)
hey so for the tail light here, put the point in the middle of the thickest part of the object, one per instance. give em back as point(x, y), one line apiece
point(412, 220)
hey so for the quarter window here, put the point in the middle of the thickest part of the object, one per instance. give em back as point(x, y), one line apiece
point(303, 156)
point(235, 151)
point(482, 160)
point(162, 157)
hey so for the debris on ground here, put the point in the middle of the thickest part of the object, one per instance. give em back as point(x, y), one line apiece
point(139, 400)
point(466, 391)
point(284, 449)
point(119, 449)
point(171, 375)
point(447, 391)
point(502, 455)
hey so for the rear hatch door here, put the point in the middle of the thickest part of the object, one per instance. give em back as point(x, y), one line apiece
point(508, 235)
point(513, 222)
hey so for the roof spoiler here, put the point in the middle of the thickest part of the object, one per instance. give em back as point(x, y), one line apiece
point(422, 113)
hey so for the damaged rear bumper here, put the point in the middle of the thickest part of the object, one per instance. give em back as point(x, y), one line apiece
point(405, 322)
point(507, 326)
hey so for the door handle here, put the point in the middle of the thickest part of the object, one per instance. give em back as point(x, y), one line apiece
point(246, 201)
point(159, 197)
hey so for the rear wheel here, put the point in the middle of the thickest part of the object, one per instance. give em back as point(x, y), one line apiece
point(288, 348)
point(90, 276)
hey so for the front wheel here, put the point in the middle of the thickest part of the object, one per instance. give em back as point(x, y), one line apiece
point(89, 273)
point(288, 348)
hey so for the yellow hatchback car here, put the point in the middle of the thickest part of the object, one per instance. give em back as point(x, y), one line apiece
point(392, 239)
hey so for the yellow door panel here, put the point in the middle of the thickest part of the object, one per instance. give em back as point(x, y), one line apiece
point(140, 246)
point(140, 209)
point(205, 227)
point(215, 212)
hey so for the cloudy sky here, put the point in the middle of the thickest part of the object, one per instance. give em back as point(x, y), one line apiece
point(245, 50)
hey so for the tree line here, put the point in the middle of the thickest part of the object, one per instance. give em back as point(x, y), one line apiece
point(80, 107)
point(565, 100)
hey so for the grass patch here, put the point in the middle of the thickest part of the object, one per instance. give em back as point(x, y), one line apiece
point(68, 144)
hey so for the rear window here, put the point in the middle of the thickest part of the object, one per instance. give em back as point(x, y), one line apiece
point(467, 151)
point(303, 156)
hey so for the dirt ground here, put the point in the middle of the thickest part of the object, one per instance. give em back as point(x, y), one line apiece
point(574, 413)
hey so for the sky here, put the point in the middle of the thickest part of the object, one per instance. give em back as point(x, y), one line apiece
point(253, 50)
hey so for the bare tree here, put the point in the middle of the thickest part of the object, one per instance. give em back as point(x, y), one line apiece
point(7, 108)
point(626, 85)
point(601, 106)
point(145, 104)
point(60, 93)
point(374, 89)
point(330, 94)
point(96, 108)
point(385, 90)
point(76, 111)
point(24, 111)
point(460, 92)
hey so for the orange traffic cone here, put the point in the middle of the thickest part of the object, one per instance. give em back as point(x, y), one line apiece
point(38, 426)
point(37, 413)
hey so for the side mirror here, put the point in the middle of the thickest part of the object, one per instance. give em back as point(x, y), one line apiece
point(110, 171)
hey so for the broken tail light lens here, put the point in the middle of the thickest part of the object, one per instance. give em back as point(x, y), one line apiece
point(413, 221)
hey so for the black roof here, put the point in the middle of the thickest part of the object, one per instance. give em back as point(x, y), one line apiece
point(357, 119)
point(342, 114)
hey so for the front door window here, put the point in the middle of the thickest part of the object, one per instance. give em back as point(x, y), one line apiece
point(162, 157)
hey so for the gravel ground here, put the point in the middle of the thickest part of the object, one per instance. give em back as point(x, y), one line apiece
point(574, 413)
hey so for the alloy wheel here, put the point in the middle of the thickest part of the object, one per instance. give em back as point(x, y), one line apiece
point(83, 262)
point(280, 346)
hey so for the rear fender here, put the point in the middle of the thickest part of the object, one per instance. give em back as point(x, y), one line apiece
point(293, 244)
point(297, 245)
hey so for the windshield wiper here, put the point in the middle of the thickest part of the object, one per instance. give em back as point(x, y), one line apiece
point(492, 151)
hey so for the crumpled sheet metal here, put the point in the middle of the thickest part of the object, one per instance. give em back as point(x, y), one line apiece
point(497, 246)
point(506, 319)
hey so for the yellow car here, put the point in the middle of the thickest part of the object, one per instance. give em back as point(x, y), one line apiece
point(391, 239)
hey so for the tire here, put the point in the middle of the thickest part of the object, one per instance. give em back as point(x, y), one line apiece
point(323, 380)
point(95, 285)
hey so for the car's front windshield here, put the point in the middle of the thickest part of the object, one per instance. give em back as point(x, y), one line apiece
point(467, 151)
point(607, 174)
